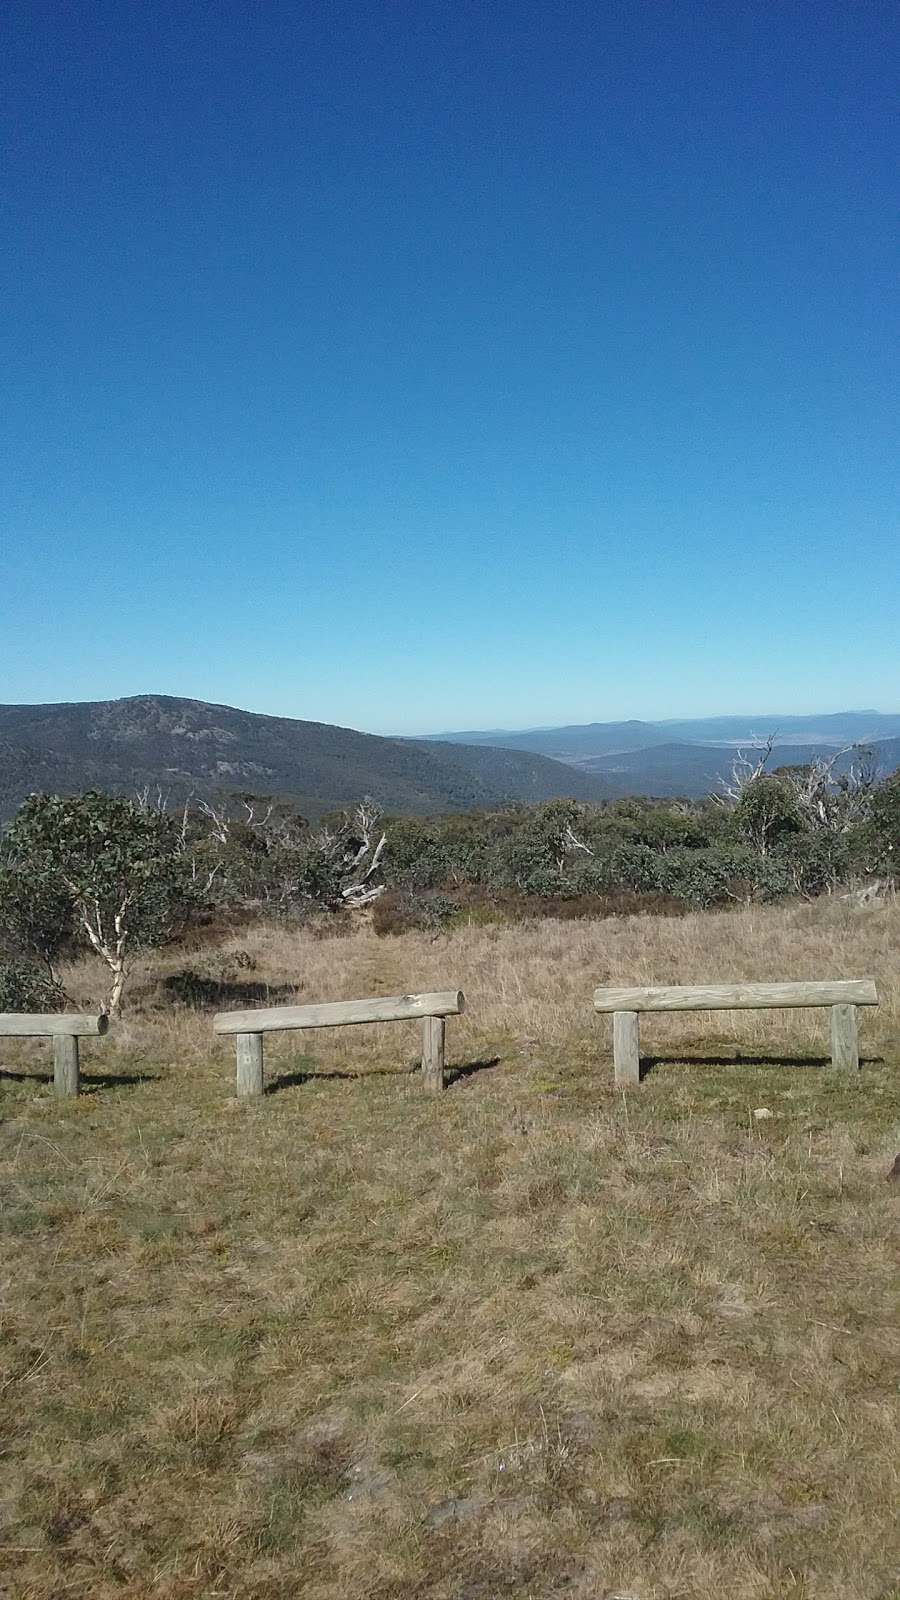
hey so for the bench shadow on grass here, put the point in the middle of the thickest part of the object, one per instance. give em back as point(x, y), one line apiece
point(295, 1078)
point(742, 1058)
point(468, 1069)
point(88, 1082)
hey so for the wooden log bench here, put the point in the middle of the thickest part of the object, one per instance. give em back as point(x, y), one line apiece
point(843, 996)
point(432, 1009)
point(65, 1029)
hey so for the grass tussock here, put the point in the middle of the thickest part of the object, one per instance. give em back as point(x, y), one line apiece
point(533, 1339)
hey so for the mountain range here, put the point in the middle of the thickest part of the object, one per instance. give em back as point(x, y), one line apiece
point(688, 757)
point(189, 747)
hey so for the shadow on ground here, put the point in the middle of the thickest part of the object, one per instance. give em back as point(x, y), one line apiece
point(296, 1078)
point(195, 989)
point(468, 1069)
point(739, 1058)
point(89, 1082)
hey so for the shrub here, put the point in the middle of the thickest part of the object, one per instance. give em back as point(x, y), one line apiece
point(885, 828)
point(118, 866)
point(24, 986)
point(400, 912)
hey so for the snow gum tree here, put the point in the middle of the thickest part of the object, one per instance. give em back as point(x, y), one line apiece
point(119, 867)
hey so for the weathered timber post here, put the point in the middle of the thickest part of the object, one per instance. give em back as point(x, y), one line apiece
point(845, 1038)
point(65, 1028)
point(626, 1048)
point(842, 995)
point(65, 1064)
point(249, 1027)
point(433, 1036)
point(249, 1065)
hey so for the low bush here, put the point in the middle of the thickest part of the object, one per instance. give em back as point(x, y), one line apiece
point(24, 986)
point(401, 912)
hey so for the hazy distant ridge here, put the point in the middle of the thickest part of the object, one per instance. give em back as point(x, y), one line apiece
point(187, 746)
point(688, 756)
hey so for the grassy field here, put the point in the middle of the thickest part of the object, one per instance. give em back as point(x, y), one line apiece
point(532, 1339)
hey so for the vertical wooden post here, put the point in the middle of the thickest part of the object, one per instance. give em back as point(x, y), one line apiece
point(65, 1064)
point(433, 1034)
point(845, 1037)
point(249, 1064)
point(626, 1048)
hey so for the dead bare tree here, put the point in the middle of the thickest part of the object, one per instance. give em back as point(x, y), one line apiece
point(745, 769)
point(361, 854)
point(217, 816)
point(572, 844)
point(148, 800)
point(832, 800)
point(267, 852)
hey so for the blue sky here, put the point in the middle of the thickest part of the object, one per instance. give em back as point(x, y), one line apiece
point(432, 365)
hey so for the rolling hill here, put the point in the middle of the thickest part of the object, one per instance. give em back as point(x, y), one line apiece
point(575, 743)
point(694, 770)
point(187, 746)
point(688, 757)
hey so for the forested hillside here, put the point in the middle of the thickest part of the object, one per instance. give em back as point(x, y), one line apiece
point(188, 747)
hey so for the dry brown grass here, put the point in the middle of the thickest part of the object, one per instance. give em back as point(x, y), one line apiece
point(530, 1340)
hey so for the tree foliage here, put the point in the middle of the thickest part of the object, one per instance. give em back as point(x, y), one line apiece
point(113, 870)
point(116, 873)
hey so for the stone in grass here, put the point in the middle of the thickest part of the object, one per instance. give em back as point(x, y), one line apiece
point(762, 1114)
point(365, 1481)
point(470, 1506)
point(456, 1510)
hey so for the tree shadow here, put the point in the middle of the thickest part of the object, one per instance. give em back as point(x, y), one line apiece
point(741, 1058)
point(196, 989)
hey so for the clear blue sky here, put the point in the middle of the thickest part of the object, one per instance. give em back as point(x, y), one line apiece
point(428, 365)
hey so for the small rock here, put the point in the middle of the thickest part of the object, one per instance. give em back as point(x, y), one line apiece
point(814, 1515)
point(455, 1510)
point(470, 1506)
point(762, 1114)
point(582, 1423)
point(366, 1482)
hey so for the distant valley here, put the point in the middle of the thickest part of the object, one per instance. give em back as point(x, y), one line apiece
point(688, 757)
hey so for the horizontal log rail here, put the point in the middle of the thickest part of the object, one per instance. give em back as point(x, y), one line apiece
point(739, 996)
point(65, 1028)
point(342, 1013)
point(843, 996)
point(40, 1024)
point(429, 1009)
